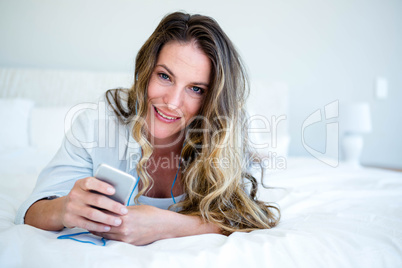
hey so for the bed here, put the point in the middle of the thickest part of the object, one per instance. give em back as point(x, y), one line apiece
point(331, 217)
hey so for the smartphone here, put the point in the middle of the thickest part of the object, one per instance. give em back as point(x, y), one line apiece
point(121, 181)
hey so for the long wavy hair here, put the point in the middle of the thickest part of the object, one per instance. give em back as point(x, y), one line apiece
point(214, 171)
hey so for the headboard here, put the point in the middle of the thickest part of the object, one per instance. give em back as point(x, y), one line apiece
point(59, 87)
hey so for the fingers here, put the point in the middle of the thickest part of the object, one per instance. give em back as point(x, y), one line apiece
point(84, 204)
point(92, 226)
point(114, 236)
point(103, 202)
point(91, 219)
point(93, 184)
point(106, 235)
point(139, 227)
point(101, 217)
point(72, 219)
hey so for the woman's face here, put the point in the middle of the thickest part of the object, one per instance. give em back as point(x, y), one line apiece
point(176, 90)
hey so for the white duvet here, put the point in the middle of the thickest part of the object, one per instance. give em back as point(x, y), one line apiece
point(331, 217)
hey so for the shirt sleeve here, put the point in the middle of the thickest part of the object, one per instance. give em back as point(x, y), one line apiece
point(73, 161)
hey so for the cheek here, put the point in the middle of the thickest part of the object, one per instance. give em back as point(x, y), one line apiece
point(151, 92)
point(155, 90)
point(193, 108)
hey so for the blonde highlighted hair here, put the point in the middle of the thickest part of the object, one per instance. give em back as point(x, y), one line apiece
point(217, 192)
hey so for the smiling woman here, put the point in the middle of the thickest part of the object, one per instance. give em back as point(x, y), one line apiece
point(176, 90)
point(186, 112)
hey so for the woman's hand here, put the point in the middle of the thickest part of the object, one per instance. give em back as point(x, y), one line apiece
point(140, 226)
point(83, 206)
point(80, 208)
point(145, 224)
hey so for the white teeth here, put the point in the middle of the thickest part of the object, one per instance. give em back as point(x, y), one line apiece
point(164, 116)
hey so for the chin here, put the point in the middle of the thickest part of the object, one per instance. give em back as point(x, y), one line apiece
point(167, 137)
point(161, 132)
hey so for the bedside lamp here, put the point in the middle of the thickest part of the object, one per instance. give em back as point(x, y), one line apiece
point(355, 121)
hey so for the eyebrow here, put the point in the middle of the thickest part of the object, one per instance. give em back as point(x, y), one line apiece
point(172, 74)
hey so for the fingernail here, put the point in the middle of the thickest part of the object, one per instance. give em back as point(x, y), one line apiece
point(110, 190)
point(117, 222)
point(107, 228)
point(124, 210)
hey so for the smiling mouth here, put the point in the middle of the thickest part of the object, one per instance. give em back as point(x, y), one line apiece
point(165, 116)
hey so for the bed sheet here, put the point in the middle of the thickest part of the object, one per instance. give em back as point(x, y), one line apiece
point(331, 217)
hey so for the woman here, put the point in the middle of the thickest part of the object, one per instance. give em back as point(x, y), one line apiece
point(187, 103)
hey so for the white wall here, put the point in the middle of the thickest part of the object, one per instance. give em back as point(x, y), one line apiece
point(324, 50)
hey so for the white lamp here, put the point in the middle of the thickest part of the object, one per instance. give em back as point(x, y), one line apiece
point(355, 121)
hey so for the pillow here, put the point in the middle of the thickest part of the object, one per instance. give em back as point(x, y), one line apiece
point(47, 127)
point(14, 121)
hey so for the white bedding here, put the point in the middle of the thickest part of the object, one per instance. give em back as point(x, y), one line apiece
point(331, 217)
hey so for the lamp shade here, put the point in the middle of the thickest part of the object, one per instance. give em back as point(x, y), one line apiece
point(355, 118)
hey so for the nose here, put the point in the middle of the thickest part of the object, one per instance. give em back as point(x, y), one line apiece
point(174, 97)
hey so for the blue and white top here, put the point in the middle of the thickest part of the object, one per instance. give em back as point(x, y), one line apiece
point(96, 136)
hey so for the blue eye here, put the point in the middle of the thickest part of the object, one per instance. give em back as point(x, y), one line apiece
point(164, 76)
point(197, 90)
